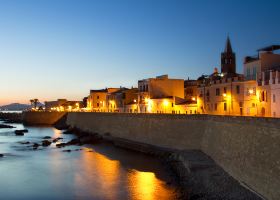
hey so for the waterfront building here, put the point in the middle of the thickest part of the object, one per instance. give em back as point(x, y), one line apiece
point(222, 93)
point(160, 95)
point(261, 71)
point(190, 89)
point(254, 94)
point(50, 105)
point(122, 100)
point(97, 99)
point(264, 61)
point(63, 105)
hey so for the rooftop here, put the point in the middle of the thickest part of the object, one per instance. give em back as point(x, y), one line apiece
point(270, 48)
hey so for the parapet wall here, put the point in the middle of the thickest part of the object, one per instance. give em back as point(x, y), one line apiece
point(247, 148)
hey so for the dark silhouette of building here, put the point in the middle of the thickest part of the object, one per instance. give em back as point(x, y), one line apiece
point(228, 63)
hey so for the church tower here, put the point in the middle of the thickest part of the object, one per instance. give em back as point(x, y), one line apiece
point(228, 64)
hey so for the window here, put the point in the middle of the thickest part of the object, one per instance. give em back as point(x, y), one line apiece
point(263, 96)
point(254, 73)
point(216, 106)
point(225, 90)
point(217, 91)
point(274, 98)
point(225, 106)
point(97, 97)
point(172, 105)
point(248, 73)
point(237, 89)
point(240, 104)
point(97, 104)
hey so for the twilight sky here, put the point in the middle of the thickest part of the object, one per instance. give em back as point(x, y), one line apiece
point(53, 49)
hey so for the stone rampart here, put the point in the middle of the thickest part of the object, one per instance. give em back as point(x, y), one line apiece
point(42, 118)
point(247, 148)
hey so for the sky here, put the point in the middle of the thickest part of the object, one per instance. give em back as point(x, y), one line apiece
point(53, 49)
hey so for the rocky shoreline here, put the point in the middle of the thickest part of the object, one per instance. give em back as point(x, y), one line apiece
point(11, 117)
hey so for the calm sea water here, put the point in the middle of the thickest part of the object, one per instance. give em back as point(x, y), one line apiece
point(10, 111)
point(98, 172)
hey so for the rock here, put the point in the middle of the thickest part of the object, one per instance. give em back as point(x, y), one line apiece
point(67, 132)
point(68, 150)
point(74, 142)
point(6, 126)
point(35, 146)
point(24, 130)
point(60, 145)
point(19, 132)
point(57, 139)
point(47, 137)
point(46, 143)
point(1, 155)
point(78, 149)
point(61, 123)
point(90, 139)
point(27, 142)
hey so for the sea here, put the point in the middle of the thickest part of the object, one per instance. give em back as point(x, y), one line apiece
point(97, 172)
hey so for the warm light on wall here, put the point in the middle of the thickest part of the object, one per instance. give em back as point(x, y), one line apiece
point(224, 94)
point(193, 98)
point(150, 103)
point(147, 100)
point(165, 102)
point(251, 91)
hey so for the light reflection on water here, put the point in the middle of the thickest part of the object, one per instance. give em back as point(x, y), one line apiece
point(99, 172)
point(145, 185)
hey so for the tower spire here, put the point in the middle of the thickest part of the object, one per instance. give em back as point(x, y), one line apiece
point(228, 63)
point(228, 48)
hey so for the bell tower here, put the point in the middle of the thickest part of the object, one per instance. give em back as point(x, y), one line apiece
point(228, 64)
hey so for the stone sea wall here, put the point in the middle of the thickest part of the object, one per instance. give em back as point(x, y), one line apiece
point(42, 118)
point(247, 148)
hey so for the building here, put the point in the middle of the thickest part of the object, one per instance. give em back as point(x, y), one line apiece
point(97, 99)
point(222, 93)
point(264, 61)
point(261, 72)
point(190, 90)
point(254, 94)
point(122, 100)
point(274, 87)
point(160, 94)
point(63, 105)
